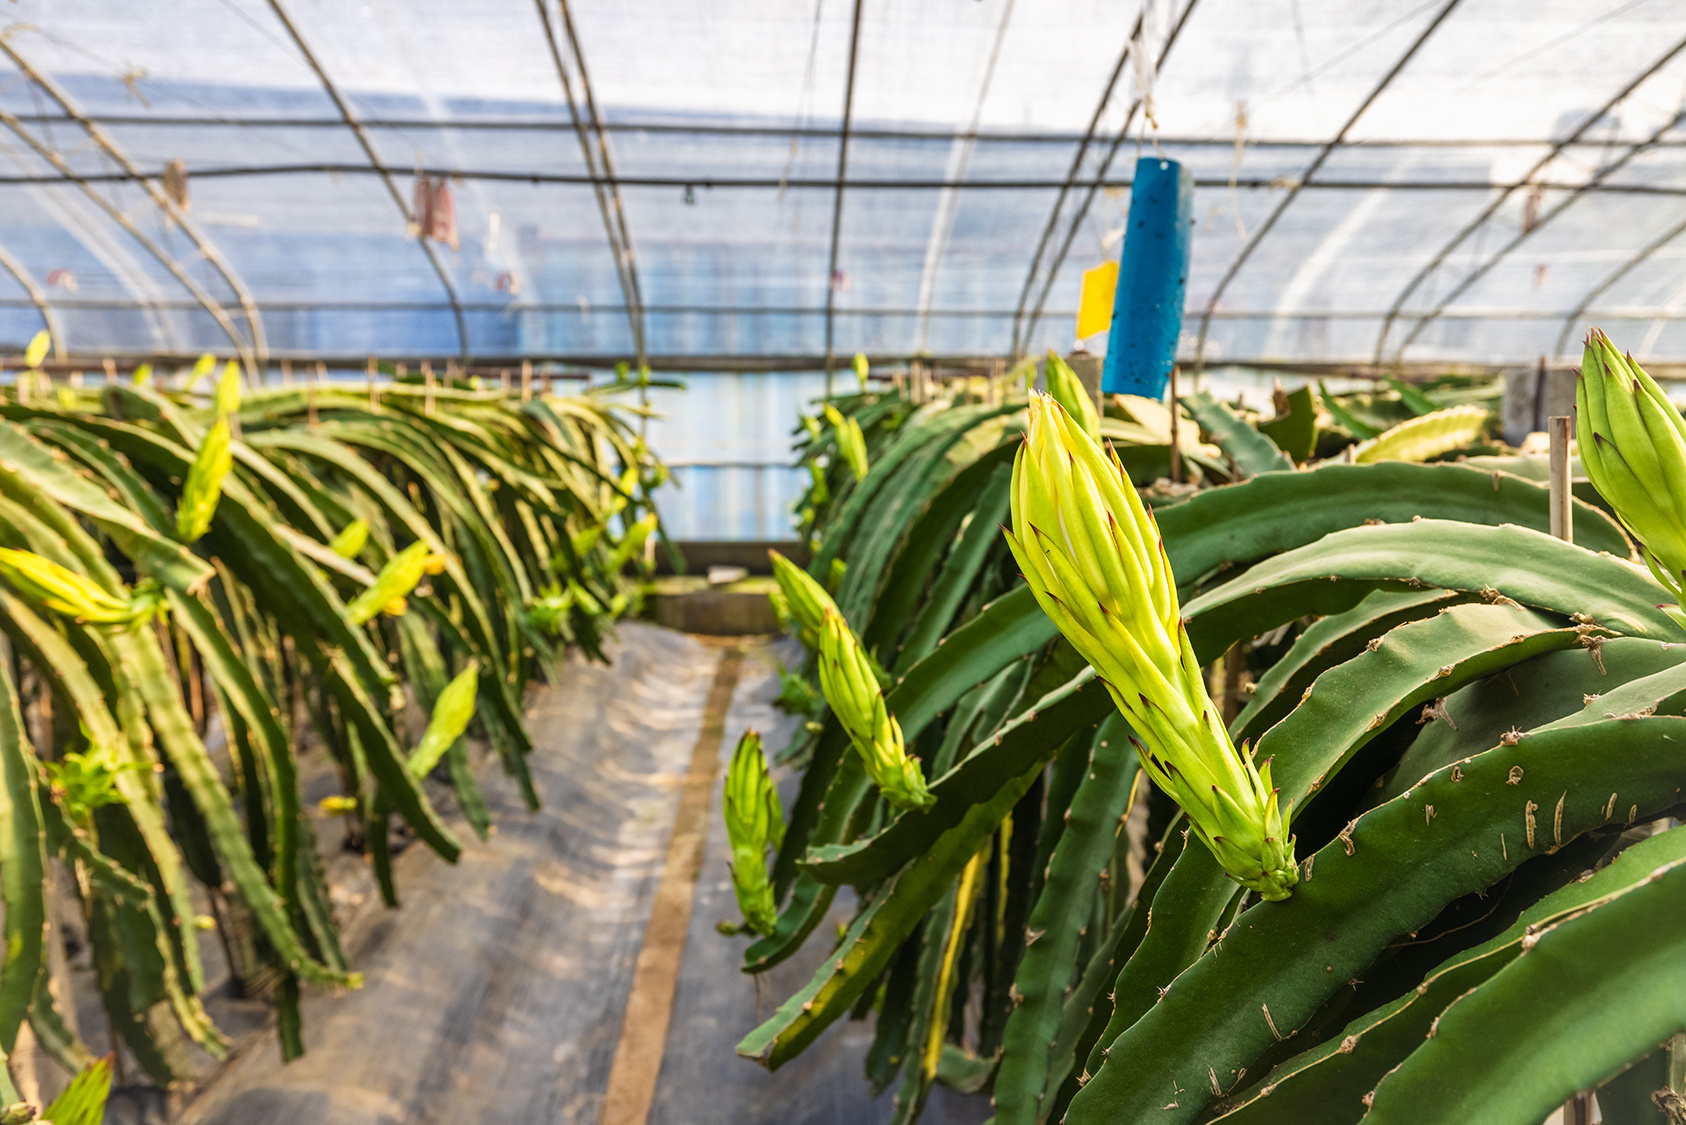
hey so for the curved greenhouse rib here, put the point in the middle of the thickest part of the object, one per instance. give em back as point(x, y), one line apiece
point(1610, 279)
point(49, 317)
point(1317, 163)
point(368, 147)
point(117, 215)
point(948, 201)
point(1492, 208)
point(837, 200)
point(1071, 177)
point(207, 248)
point(603, 185)
point(1096, 183)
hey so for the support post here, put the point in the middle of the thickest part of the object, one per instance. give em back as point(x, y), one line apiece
point(1562, 510)
point(374, 391)
point(1176, 430)
point(1087, 368)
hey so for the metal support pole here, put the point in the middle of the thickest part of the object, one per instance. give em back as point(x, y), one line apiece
point(1562, 501)
point(368, 147)
point(1316, 165)
point(259, 353)
point(837, 202)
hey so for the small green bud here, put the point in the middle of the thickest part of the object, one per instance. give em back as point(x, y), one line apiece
point(393, 584)
point(754, 825)
point(451, 713)
point(351, 540)
point(1068, 390)
point(851, 443)
point(850, 683)
point(819, 492)
point(805, 599)
point(633, 542)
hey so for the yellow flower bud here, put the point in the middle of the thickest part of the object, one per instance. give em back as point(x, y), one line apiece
point(395, 581)
point(1093, 557)
point(37, 349)
point(74, 595)
point(228, 390)
point(201, 368)
point(203, 487)
point(336, 805)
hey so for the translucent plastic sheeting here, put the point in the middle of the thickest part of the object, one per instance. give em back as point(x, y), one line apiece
point(729, 438)
point(1377, 180)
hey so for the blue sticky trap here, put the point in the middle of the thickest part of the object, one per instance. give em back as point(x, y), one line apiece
point(1147, 313)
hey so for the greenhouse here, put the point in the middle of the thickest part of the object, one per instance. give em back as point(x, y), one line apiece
point(843, 561)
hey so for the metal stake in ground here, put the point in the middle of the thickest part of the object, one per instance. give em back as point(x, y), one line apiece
point(1562, 510)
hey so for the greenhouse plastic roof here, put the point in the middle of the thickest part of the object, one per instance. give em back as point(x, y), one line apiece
point(1377, 180)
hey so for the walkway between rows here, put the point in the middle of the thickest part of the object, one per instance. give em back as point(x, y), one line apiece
point(499, 992)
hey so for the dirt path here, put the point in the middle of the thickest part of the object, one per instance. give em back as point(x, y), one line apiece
point(498, 993)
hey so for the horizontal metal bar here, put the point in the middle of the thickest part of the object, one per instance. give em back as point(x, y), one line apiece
point(952, 365)
point(730, 465)
point(703, 129)
point(776, 184)
point(1628, 312)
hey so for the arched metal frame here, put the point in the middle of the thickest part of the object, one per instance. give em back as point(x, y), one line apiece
point(357, 130)
point(1634, 262)
point(1317, 163)
point(49, 318)
point(1492, 208)
point(589, 128)
point(1083, 144)
point(837, 200)
point(117, 215)
point(1094, 188)
point(1046, 262)
point(258, 353)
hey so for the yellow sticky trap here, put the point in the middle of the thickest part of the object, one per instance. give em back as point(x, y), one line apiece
point(1094, 308)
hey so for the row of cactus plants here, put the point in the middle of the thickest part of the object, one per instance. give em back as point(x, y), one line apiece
point(1402, 764)
point(201, 578)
